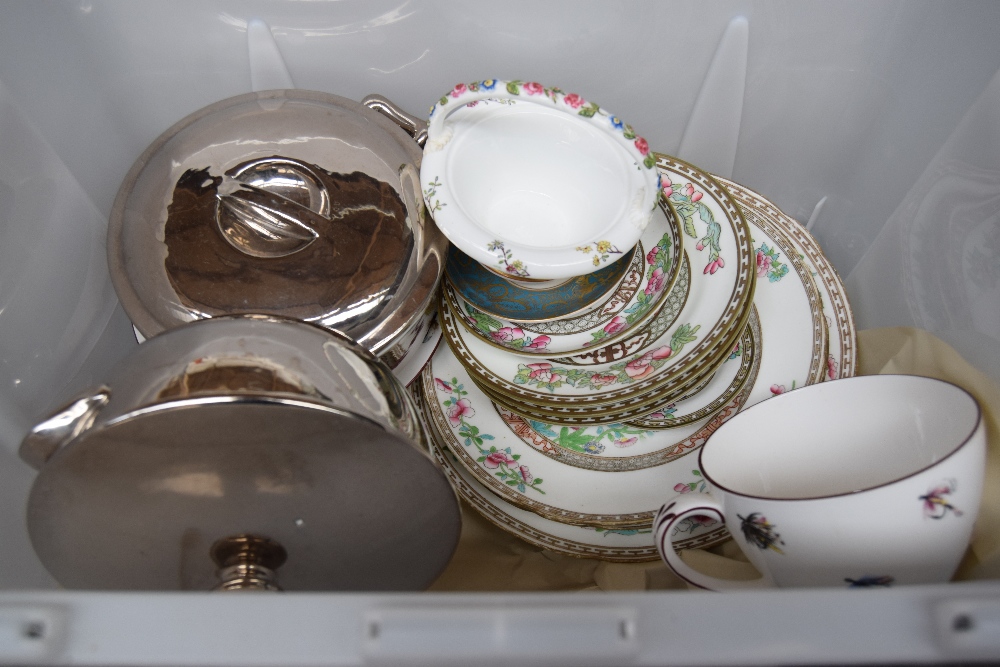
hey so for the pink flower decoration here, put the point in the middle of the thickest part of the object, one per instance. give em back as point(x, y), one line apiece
point(667, 191)
point(651, 255)
point(615, 325)
point(689, 189)
point(539, 343)
point(626, 442)
point(458, 90)
point(641, 367)
point(574, 100)
point(507, 334)
point(462, 408)
point(599, 380)
point(696, 196)
point(831, 368)
point(662, 352)
point(699, 245)
point(442, 385)
point(525, 474)
point(472, 104)
point(542, 373)
point(714, 266)
point(641, 144)
point(777, 389)
point(682, 488)
point(763, 264)
point(496, 459)
point(655, 282)
point(702, 520)
point(665, 181)
point(533, 88)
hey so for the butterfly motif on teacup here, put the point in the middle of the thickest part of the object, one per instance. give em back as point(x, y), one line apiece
point(936, 506)
point(870, 581)
point(760, 532)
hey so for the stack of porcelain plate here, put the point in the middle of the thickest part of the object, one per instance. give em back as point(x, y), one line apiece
point(566, 408)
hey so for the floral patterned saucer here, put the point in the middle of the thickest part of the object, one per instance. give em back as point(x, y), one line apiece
point(736, 367)
point(514, 461)
point(652, 275)
point(713, 316)
point(629, 407)
point(621, 545)
point(842, 360)
point(785, 284)
point(499, 297)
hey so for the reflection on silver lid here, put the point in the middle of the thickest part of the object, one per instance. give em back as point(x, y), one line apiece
point(305, 208)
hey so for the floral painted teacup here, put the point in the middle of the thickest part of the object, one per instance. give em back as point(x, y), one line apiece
point(533, 182)
point(869, 481)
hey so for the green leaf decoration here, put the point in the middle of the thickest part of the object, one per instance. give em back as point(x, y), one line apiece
point(650, 161)
point(705, 213)
point(686, 210)
point(685, 334)
point(628, 132)
point(514, 87)
point(538, 480)
point(574, 440)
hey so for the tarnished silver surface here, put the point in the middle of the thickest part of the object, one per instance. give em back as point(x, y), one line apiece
point(286, 202)
point(250, 425)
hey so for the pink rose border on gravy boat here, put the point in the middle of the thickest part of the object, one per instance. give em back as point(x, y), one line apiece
point(580, 159)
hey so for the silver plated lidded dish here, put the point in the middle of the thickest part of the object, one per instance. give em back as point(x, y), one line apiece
point(293, 203)
point(241, 452)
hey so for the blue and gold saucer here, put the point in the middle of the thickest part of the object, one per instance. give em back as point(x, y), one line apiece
point(503, 298)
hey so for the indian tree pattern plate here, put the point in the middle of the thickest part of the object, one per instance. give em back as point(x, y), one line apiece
point(717, 308)
point(629, 407)
point(629, 288)
point(629, 446)
point(628, 335)
point(530, 474)
point(737, 370)
point(787, 287)
point(842, 360)
point(621, 545)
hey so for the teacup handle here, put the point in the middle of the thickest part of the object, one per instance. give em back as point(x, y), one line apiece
point(438, 134)
point(677, 510)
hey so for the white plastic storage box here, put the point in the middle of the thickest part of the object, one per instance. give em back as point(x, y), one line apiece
point(877, 123)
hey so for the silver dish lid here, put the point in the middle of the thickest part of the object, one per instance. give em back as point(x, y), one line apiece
point(288, 202)
point(241, 452)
